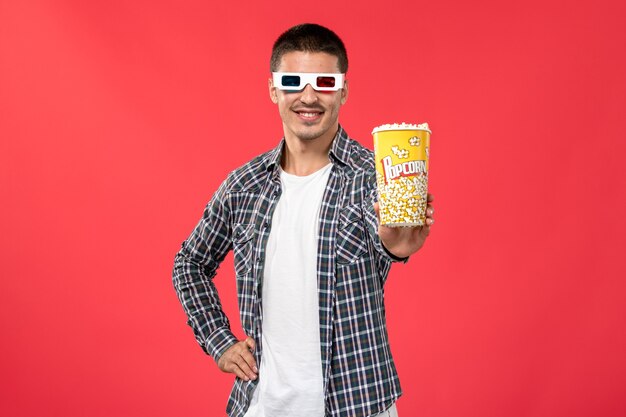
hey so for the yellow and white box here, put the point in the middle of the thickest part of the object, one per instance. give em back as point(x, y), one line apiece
point(401, 152)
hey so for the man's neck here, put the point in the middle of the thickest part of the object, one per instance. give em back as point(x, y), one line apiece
point(304, 157)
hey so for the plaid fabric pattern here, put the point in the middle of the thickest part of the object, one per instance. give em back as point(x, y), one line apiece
point(359, 374)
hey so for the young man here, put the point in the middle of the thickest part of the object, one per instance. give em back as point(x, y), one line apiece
point(310, 258)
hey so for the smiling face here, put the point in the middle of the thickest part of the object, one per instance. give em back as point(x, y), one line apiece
point(308, 114)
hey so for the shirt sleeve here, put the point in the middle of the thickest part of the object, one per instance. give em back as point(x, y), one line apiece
point(195, 266)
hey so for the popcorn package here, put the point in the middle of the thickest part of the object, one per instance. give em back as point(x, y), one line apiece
point(401, 152)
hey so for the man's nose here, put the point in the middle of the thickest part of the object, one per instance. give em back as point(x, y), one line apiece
point(308, 95)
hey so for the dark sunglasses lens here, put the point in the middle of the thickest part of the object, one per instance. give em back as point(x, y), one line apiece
point(291, 80)
point(326, 82)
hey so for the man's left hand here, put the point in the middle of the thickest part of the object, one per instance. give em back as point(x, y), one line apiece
point(405, 241)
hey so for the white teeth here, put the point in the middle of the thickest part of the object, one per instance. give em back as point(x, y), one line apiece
point(309, 114)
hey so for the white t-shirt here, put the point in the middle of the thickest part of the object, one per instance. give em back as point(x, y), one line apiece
point(290, 374)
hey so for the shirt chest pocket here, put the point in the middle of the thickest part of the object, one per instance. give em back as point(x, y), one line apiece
point(243, 238)
point(351, 238)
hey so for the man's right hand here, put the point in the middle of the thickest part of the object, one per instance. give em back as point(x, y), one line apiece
point(238, 360)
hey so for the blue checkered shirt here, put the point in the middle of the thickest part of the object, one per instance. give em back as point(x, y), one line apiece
point(359, 374)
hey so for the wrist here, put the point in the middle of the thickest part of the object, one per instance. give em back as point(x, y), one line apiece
point(393, 255)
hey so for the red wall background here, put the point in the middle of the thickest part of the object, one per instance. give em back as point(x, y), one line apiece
point(119, 119)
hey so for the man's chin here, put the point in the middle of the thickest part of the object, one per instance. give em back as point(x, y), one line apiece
point(308, 137)
point(309, 134)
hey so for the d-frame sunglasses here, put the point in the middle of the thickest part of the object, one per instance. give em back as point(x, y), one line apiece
point(296, 81)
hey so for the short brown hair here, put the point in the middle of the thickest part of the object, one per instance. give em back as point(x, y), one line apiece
point(309, 37)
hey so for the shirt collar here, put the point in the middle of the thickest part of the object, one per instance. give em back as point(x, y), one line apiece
point(272, 158)
point(339, 150)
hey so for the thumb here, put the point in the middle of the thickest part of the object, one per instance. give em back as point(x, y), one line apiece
point(250, 342)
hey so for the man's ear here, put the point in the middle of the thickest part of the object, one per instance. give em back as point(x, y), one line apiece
point(344, 92)
point(272, 90)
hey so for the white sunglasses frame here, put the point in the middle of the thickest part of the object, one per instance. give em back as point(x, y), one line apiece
point(308, 78)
